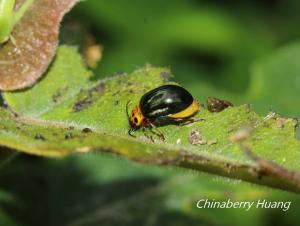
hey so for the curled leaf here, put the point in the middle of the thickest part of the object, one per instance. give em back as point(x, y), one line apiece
point(27, 55)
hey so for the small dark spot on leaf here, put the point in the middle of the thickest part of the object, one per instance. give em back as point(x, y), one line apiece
point(82, 104)
point(71, 127)
point(68, 136)
point(88, 99)
point(116, 103)
point(39, 136)
point(87, 130)
point(59, 93)
point(100, 88)
point(217, 105)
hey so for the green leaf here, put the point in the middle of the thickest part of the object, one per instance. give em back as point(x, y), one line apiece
point(276, 81)
point(67, 112)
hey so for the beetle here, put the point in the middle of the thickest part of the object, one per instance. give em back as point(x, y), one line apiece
point(9, 18)
point(166, 104)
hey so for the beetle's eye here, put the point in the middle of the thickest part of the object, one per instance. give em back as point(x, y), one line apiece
point(135, 120)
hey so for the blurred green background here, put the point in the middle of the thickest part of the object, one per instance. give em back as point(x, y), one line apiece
point(244, 51)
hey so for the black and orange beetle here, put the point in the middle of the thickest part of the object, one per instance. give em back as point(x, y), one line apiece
point(165, 104)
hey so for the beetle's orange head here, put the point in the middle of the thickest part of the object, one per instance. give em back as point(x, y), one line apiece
point(136, 118)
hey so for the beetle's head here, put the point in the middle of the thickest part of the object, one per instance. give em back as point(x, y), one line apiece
point(136, 118)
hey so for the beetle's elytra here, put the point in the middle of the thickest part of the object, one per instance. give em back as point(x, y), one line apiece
point(167, 103)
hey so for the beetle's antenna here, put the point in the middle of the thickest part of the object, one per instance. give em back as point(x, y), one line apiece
point(127, 105)
point(131, 130)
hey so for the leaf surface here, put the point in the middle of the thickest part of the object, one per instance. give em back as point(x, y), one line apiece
point(66, 112)
point(275, 81)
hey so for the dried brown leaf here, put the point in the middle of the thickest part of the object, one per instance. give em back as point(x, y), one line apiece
point(24, 60)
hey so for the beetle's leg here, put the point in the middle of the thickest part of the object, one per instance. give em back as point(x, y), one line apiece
point(144, 131)
point(130, 132)
point(159, 133)
point(194, 119)
point(147, 135)
point(127, 107)
point(183, 122)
